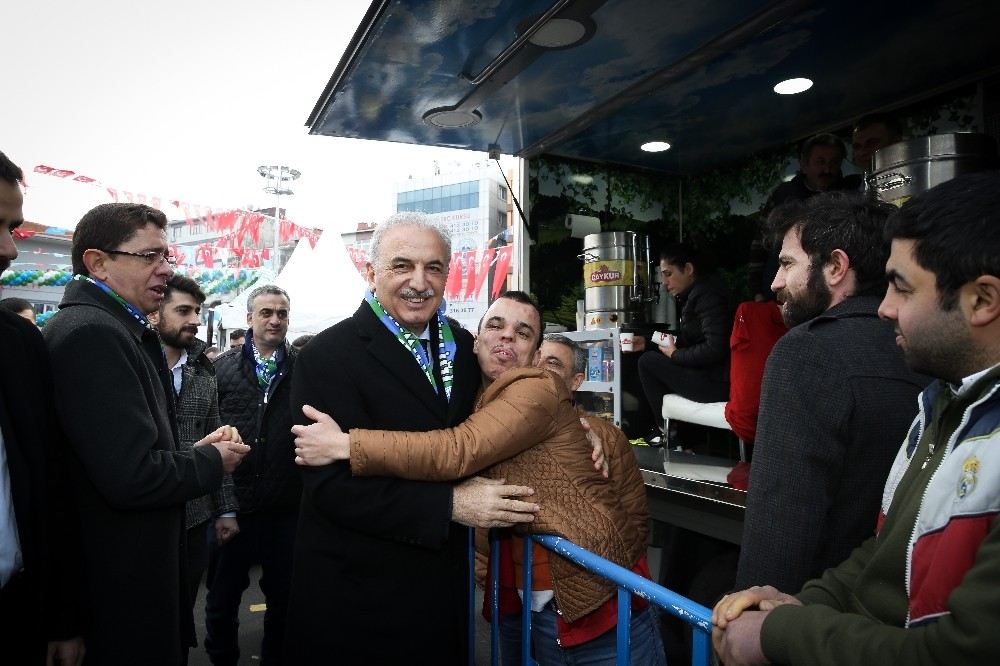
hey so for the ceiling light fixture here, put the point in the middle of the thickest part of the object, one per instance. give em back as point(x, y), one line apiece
point(793, 86)
point(451, 118)
point(558, 33)
point(655, 146)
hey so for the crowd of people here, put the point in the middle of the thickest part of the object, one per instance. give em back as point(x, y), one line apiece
point(136, 462)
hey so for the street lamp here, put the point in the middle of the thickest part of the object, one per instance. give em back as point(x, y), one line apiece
point(276, 177)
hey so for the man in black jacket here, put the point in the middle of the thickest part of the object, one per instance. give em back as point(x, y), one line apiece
point(39, 547)
point(254, 387)
point(129, 478)
point(836, 399)
point(381, 564)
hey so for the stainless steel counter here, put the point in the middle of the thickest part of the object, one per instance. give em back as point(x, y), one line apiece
point(706, 507)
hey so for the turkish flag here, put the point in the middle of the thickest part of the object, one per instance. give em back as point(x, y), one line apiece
point(504, 256)
point(41, 168)
point(84, 179)
point(61, 173)
point(453, 287)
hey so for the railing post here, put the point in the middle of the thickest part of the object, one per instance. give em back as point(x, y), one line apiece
point(526, 659)
point(701, 647)
point(495, 600)
point(624, 649)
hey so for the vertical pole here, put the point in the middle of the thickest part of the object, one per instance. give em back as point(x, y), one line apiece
point(624, 651)
point(495, 598)
point(277, 217)
point(526, 605)
point(701, 648)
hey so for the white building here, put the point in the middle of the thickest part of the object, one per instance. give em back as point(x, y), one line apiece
point(474, 206)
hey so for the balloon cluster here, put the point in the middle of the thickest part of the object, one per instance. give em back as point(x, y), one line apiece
point(35, 278)
point(224, 281)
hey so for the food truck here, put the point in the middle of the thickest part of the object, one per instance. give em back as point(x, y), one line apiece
point(638, 122)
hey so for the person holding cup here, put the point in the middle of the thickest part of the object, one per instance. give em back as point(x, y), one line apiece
point(694, 363)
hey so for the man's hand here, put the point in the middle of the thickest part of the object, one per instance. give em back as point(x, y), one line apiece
point(232, 452)
point(66, 653)
point(481, 502)
point(321, 442)
point(739, 643)
point(765, 598)
point(600, 460)
point(225, 529)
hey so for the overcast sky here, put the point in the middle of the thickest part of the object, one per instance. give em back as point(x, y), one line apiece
point(183, 100)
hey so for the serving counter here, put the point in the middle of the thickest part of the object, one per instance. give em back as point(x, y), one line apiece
point(690, 492)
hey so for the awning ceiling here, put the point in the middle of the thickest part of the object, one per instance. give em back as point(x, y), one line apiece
point(695, 73)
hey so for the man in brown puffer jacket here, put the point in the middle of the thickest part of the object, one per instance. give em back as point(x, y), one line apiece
point(525, 427)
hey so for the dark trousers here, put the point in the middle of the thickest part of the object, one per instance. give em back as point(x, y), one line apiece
point(197, 560)
point(660, 375)
point(267, 539)
point(20, 624)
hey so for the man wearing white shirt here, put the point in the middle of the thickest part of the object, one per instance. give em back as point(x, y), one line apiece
point(197, 412)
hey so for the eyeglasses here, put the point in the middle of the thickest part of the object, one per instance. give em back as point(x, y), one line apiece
point(151, 258)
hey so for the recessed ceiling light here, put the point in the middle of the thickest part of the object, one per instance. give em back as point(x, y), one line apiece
point(582, 178)
point(558, 33)
point(793, 86)
point(451, 118)
point(655, 146)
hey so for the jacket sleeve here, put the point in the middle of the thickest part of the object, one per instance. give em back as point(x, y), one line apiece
point(518, 417)
point(623, 470)
point(223, 499)
point(797, 464)
point(410, 512)
point(102, 404)
point(711, 306)
point(821, 634)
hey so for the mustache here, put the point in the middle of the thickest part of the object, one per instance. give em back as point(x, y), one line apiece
point(407, 292)
point(189, 329)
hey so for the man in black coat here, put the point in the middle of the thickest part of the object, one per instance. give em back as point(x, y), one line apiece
point(836, 399)
point(254, 387)
point(129, 480)
point(381, 565)
point(39, 545)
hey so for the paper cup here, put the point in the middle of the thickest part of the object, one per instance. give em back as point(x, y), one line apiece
point(627, 340)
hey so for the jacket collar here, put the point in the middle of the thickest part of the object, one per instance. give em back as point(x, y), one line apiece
point(386, 350)
point(852, 306)
point(79, 292)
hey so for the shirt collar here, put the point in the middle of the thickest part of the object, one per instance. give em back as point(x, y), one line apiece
point(969, 381)
point(182, 360)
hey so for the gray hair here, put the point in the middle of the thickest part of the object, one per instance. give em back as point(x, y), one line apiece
point(408, 219)
point(267, 289)
point(579, 353)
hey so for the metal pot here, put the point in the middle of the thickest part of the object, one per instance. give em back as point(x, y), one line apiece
point(617, 278)
point(907, 168)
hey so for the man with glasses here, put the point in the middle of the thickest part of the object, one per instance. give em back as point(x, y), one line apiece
point(254, 395)
point(128, 477)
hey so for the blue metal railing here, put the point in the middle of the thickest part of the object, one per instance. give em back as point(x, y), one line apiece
point(628, 582)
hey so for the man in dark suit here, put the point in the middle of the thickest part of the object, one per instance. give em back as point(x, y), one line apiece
point(39, 547)
point(836, 398)
point(381, 564)
point(128, 477)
